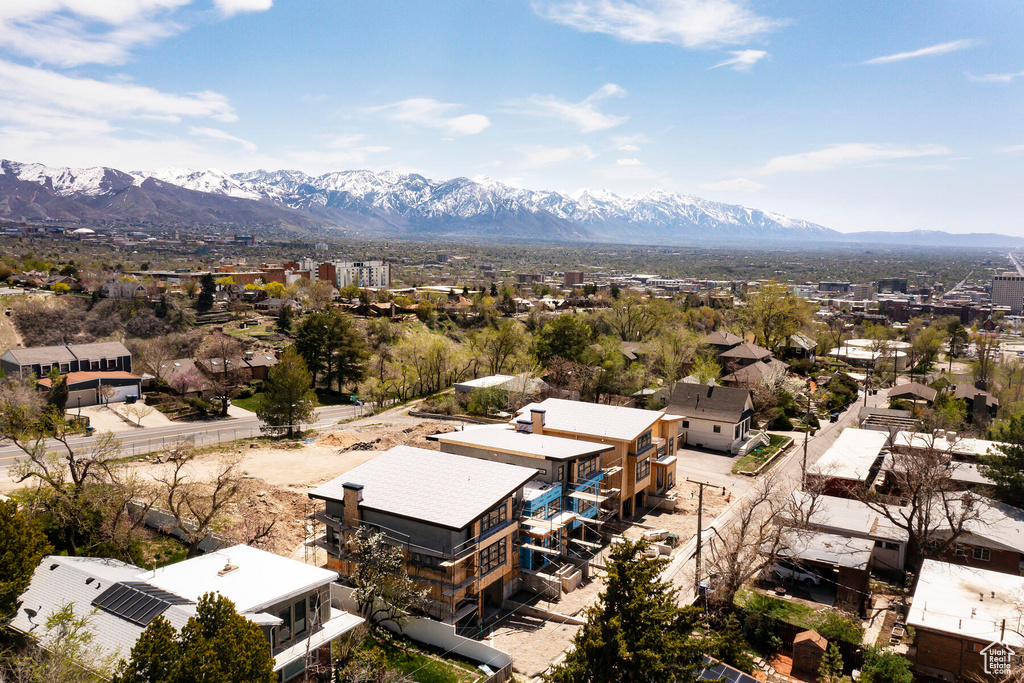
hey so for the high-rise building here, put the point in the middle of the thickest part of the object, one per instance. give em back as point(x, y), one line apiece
point(359, 273)
point(1008, 290)
point(862, 292)
point(573, 278)
point(892, 285)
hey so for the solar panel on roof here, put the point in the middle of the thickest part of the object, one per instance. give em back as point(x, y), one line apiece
point(717, 671)
point(136, 601)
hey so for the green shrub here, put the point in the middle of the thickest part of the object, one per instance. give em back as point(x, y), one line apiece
point(835, 625)
point(781, 424)
point(201, 406)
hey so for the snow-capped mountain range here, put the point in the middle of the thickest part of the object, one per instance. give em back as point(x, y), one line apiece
point(386, 204)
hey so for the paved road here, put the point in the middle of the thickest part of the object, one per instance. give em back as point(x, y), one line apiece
point(682, 568)
point(205, 433)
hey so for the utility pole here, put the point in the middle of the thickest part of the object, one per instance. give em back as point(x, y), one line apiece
point(807, 432)
point(700, 523)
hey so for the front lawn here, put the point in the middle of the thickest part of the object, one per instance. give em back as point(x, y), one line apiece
point(250, 403)
point(749, 463)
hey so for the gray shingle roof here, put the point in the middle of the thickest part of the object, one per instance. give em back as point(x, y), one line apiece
point(723, 338)
point(747, 351)
point(60, 353)
point(725, 404)
point(438, 488)
point(913, 390)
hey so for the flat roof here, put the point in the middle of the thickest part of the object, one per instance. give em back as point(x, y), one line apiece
point(851, 516)
point(953, 445)
point(260, 579)
point(507, 440)
point(852, 455)
point(484, 382)
point(594, 419)
point(826, 548)
point(438, 488)
point(968, 602)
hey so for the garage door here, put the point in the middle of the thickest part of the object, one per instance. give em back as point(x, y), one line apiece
point(119, 394)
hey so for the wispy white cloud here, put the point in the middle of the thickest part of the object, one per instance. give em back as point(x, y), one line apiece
point(930, 51)
point(1012, 149)
point(231, 7)
point(44, 88)
point(628, 148)
point(743, 60)
point(628, 162)
point(428, 112)
point(689, 23)
point(583, 114)
point(221, 136)
point(733, 185)
point(540, 156)
point(849, 154)
point(995, 78)
point(73, 32)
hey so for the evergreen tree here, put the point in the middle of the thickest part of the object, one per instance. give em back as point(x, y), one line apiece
point(831, 668)
point(284, 319)
point(1006, 468)
point(332, 347)
point(216, 645)
point(494, 290)
point(288, 398)
point(22, 546)
point(58, 397)
point(637, 631)
point(154, 658)
point(207, 290)
point(731, 647)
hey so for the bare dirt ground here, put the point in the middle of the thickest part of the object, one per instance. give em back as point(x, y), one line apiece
point(281, 474)
point(9, 337)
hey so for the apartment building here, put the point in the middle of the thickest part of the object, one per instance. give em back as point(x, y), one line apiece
point(565, 505)
point(455, 518)
point(363, 274)
point(642, 460)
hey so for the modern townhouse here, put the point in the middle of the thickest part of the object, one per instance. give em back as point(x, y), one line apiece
point(456, 520)
point(642, 461)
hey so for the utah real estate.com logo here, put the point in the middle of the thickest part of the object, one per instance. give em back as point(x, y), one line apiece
point(998, 658)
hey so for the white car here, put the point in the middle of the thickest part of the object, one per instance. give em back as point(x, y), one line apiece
point(784, 569)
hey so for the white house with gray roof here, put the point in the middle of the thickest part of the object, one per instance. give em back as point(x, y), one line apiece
point(287, 599)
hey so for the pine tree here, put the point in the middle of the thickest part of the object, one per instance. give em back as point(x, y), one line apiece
point(217, 644)
point(155, 656)
point(831, 668)
point(207, 290)
point(22, 546)
point(288, 398)
point(637, 631)
point(284, 319)
point(731, 647)
point(1006, 467)
point(58, 397)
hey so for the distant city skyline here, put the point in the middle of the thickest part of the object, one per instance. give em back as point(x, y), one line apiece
point(873, 116)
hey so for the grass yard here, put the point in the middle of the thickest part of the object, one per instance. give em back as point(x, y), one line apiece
point(419, 666)
point(760, 455)
point(828, 622)
point(248, 403)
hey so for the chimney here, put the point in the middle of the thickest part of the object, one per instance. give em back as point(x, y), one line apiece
point(353, 496)
point(537, 420)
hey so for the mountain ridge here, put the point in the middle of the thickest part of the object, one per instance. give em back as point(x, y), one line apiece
point(390, 204)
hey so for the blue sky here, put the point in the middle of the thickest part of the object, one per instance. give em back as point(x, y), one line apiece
point(858, 116)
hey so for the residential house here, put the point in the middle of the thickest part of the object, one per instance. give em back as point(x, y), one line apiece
point(96, 373)
point(801, 346)
point(748, 365)
point(960, 614)
point(722, 341)
point(850, 465)
point(184, 377)
point(981, 405)
point(843, 561)
point(273, 305)
point(643, 460)
point(569, 480)
point(118, 289)
point(289, 600)
point(914, 392)
point(455, 518)
point(98, 356)
point(259, 363)
point(963, 454)
point(714, 417)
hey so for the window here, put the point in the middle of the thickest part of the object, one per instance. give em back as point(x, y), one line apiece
point(95, 365)
point(887, 545)
point(494, 518)
point(422, 560)
point(672, 445)
point(736, 432)
point(492, 557)
point(717, 429)
point(643, 468)
point(960, 551)
point(300, 616)
point(561, 473)
point(65, 368)
point(683, 426)
point(284, 631)
point(643, 442)
point(586, 469)
point(982, 554)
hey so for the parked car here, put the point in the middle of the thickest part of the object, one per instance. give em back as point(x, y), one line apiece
point(784, 569)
